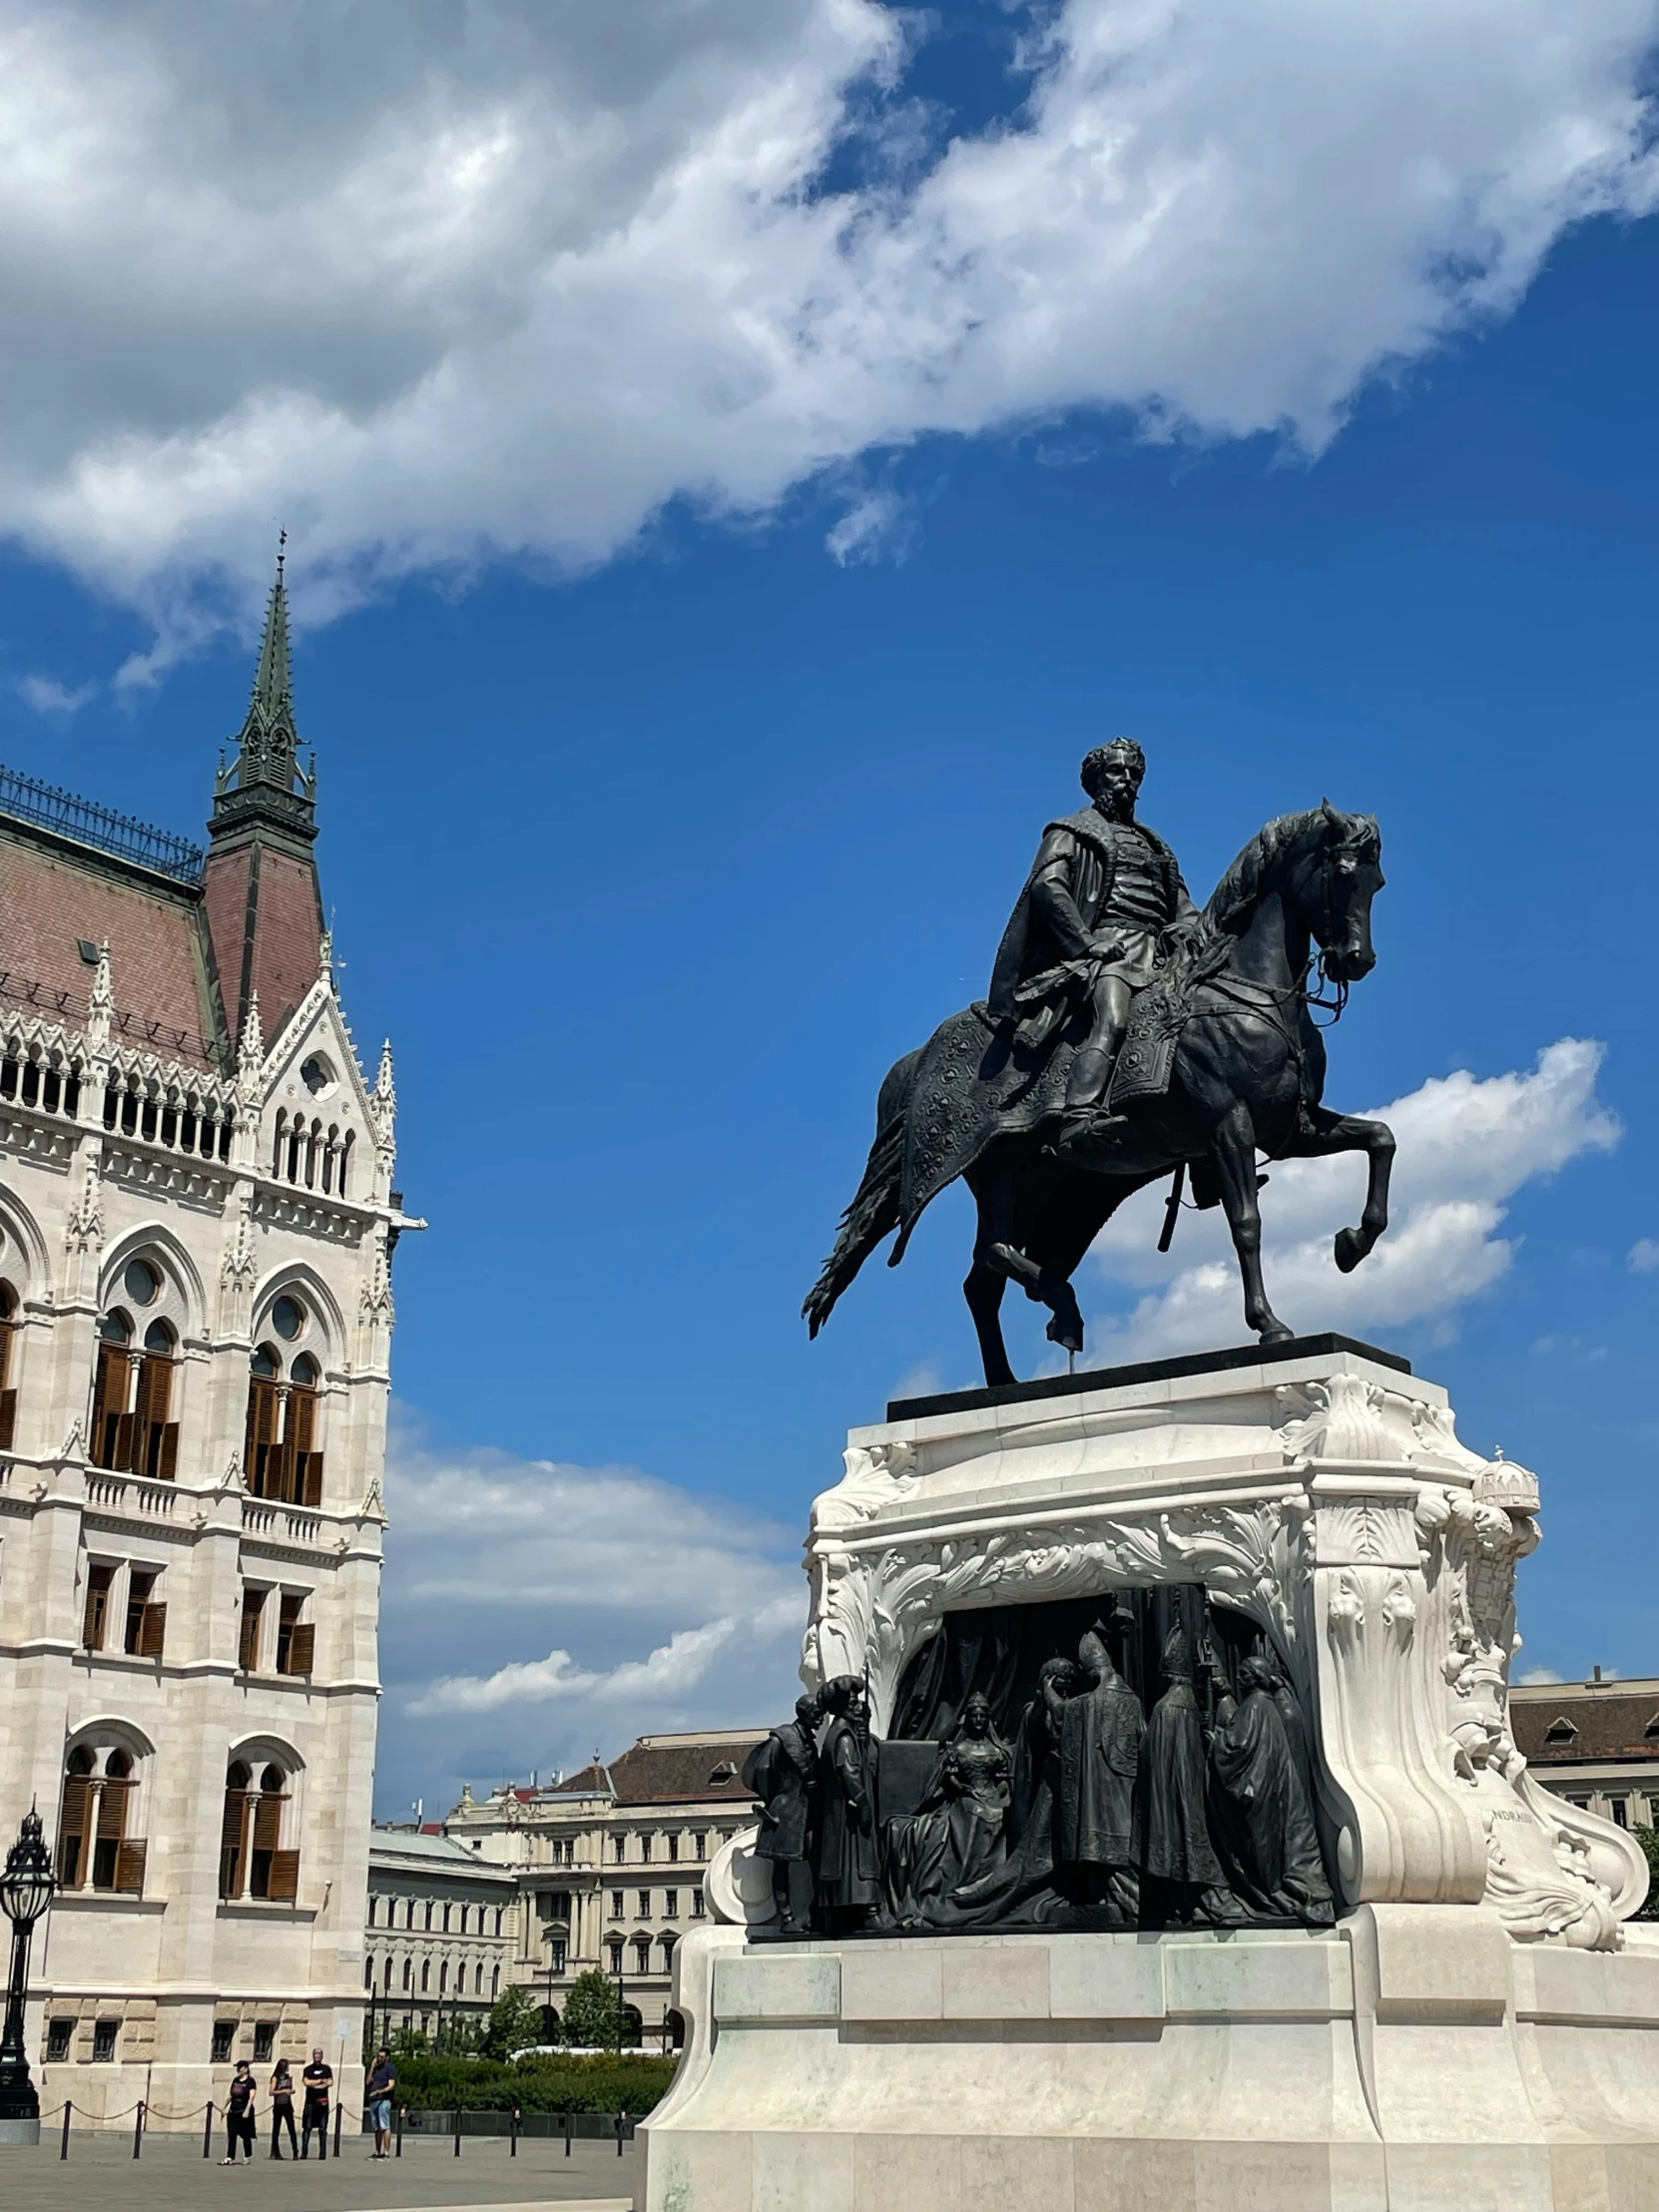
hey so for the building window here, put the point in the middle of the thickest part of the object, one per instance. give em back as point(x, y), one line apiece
point(673, 1849)
point(428, 1915)
point(60, 2035)
point(446, 1919)
point(225, 2041)
point(667, 1942)
point(495, 1981)
point(103, 2036)
point(8, 1391)
point(281, 1445)
point(408, 1974)
point(642, 1955)
point(146, 1619)
point(615, 1950)
point(498, 1912)
point(94, 1848)
point(558, 1955)
point(478, 1977)
point(386, 1983)
point(375, 1911)
point(265, 2040)
point(95, 1616)
point(698, 1840)
point(645, 1905)
point(1621, 1810)
point(615, 1905)
point(132, 1395)
point(671, 1905)
point(645, 1847)
point(697, 1908)
point(295, 1638)
point(1560, 1730)
point(619, 1846)
point(252, 1859)
point(722, 1775)
point(247, 1640)
point(443, 1978)
point(409, 1912)
point(425, 1975)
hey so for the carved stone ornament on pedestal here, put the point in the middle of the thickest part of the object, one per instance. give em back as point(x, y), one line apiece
point(1185, 1856)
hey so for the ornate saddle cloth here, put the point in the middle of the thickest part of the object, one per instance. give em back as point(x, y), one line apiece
point(1146, 1057)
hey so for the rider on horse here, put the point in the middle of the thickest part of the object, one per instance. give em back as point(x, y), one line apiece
point(1091, 928)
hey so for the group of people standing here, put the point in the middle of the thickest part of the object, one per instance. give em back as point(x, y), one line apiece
point(1200, 1810)
point(242, 2117)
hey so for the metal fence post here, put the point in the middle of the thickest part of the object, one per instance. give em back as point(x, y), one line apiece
point(340, 2118)
point(63, 2152)
point(208, 2132)
point(619, 2121)
point(512, 2135)
point(565, 2121)
point(402, 2111)
point(137, 2128)
point(457, 2131)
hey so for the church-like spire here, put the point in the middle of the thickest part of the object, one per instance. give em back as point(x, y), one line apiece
point(267, 777)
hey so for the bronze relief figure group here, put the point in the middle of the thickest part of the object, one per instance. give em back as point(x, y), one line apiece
point(1084, 1802)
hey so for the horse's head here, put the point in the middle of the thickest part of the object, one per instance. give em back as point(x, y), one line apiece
point(1338, 874)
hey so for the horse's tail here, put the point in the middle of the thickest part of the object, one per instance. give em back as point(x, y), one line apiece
point(874, 1213)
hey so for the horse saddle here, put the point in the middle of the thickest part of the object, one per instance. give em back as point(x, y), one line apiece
point(1146, 1058)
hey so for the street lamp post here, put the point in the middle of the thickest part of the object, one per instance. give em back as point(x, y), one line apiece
point(25, 1892)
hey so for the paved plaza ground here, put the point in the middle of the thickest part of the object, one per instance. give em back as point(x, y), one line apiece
point(173, 2176)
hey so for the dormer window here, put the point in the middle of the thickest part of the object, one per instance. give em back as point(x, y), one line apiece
point(1560, 1730)
point(1652, 1728)
point(722, 1775)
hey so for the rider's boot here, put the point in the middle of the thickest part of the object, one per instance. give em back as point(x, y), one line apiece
point(1082, 1120)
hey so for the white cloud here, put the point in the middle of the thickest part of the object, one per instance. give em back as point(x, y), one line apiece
point(1467, 1144)
point(669, 1610)
point(1539, 1675)
point(435, 284)
point(1643, 1257)
point(48, 697)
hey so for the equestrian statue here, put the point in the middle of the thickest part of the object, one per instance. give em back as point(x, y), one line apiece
point(1128, 1036)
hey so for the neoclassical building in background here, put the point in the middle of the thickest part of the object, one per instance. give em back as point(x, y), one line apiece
point(197, 1222)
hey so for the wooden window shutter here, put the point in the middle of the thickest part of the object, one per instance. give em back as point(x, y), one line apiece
point(168, 1466)
point(312, 1491)
point(107, 1397)
point(112, 1811)
point(267, 1821)
point(72, 1830)
point(152, 1631)
point(128, 1869)
point(262, 1434)
point(121, 1450)
point(230, 1843)
point(252, 1608)
point(285, 1876)
point(302, 1647)
point(8, 1418)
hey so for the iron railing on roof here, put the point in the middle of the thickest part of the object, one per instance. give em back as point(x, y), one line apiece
point(129, 840)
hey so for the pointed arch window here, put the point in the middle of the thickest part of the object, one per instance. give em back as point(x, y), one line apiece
point(281, 1446)
point(8, 1380)
point(133, 1429)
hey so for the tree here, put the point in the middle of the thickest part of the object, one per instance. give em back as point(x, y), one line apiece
point(1649, 1841)
point(593, 2018)
point(515, 2023)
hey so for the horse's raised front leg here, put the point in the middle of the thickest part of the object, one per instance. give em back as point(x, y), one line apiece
point(1349, 1133)
point(1233, 1150)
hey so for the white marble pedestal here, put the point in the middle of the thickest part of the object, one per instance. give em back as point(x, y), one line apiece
point(1481, 2028)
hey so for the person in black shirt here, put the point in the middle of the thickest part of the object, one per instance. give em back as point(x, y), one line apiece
point(318, 2080)
point(239, 2112)
point(282, 2108)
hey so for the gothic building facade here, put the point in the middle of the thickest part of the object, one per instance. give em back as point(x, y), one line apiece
point(197, 1222)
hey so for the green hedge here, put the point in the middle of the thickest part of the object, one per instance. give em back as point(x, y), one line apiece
point(548, 2082)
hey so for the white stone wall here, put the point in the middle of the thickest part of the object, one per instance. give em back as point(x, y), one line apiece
point(77, 1202)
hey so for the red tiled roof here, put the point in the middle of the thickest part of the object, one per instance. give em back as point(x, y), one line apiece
point(51, 897)
point(286, 914)
point(674, 1774)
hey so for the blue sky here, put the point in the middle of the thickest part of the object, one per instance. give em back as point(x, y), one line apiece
point(667, 800)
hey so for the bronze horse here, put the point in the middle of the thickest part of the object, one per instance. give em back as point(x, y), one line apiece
point(1247, 1077)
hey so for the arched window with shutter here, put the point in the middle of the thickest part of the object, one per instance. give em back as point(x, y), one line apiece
point(283, 1449)
point(262, 1442)
point(97, 1848)
point(112, 1420)
point(233, 1834)
point(8, 1380)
